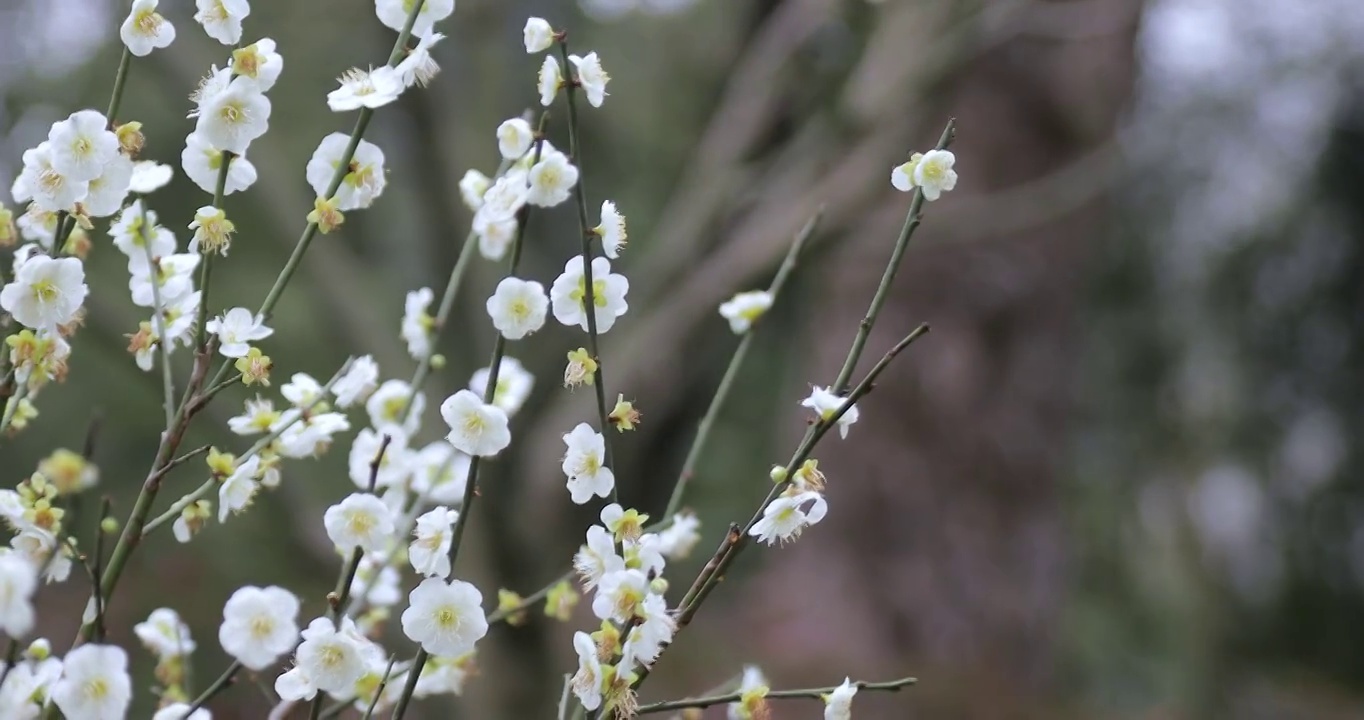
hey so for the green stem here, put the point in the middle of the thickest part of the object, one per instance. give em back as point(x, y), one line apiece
point(888, 277)
point(120, 79)
point(713, 700)
point(12, 406)
point(447, 302)
point(589, 299)
point(159, 318)
point(206, 264)
point(379, 691)
point(529, 600)
point(218, 686)
point(732, 371)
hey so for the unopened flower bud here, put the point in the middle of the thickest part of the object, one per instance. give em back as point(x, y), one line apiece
point(130, 138)
point(778, 474)
point(511, 603)
point(561, 600)
point(108, 526)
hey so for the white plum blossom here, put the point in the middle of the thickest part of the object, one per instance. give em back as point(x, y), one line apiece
point(591, 77)
point(236, 330)
point(619, 595)
point(551, 180)
point(18, 582)
point(417, 323)
point(514, 384)
point(752, 681)
point(258, 63)
point(358, 382)
point(514, 138)
point(517, 307)
point(784, 518)
point(587, 681)
point(360, 88)
point(611, 230)
point(81, 145)
point(40, 548)
point(679, 538)
point(222, 19)
point(445, 618)
point(94, 683)
point(149, 176)
point(419, 68)
point(838, 704)
point(549, 80)
point(931, 172)
point(201, 161)
point(648, 636)
point(302, 390)
point(388, 403)
point(46, 292)
point(364, 179)
point(440, 473)
point(145, 29)
point(394, 466)
point(330, 659)
point(568, 295)
point(51, 189)
point(430, 548)
point(360, 520)
point(393, 14)
point(174, 278)
point(539, 35)
point(259, 625)
point(379, 583)
point(258, 417)
point(105, 193)
point(28, 685)
point(229, 120)
point(239, 489)
point(745, 308)
point(494, 238)
point(309, 437)
point(585, 465)
point(476, 428)
point(826, 404)
point(165, 634)
point(471, 188)
point(501, 202)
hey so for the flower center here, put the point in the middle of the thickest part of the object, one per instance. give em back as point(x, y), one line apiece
point(360, 523)
point(332, 656)
point(233, 113)
point(261, 626)
point(473, 424)
point(96, 689)
point(45, 291)
point(447, 618)
point(51, 181)
point(148, 21)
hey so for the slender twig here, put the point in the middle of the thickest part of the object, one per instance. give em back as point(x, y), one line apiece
point(218, 686)
point(529, 601)
point(888, 277)
point(339, 597)
point(206, 261)
point(589, 298)
point(104, 504)
point(11, 658)
point(12, 406)
point(120, 78)
point(732, 371)
point(159, 316)
point(379, 691)
point(564, 695)
point(713, 700)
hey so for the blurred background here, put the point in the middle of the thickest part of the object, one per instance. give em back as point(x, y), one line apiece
point(1117, 479)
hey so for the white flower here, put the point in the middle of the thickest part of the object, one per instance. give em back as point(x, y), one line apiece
point(745, 308)
point(619, 595)
point(514, 384)
point(551, 180)
point(394, 467)
point(18, 582)
point(611, 230)
point(210, 86)
point(518, 307)
point(514, 138)
point(502, 201)
point(81, 145)
point(105, 194)
point(838, 704)
point(149, 176)
point(598, 557)
point(569, 294)
point(934, 173)
point(676, 542)
point(309, 437)
point(429, 551)
point(165, 634)
point(302, 390)
point(539, 35)
point(331, 659)
point(176, 711)
point(471, 188)
point(40, 548)
point(550, 79)
point(259, 625)
point(174, 278)
point(591, 77)
point(95, 683)
point(222, 19)
point(587, 682)
point(37, 226)
point(418, 68)
point(237, 491)
point(46, 292)
point(417, 323)
point(752, 680)
point(364, 179)
point(201, 162)
point(52, 190)
point(231, 119)
point(236, 330)
point(902, 175)
point(826, 405)
point(259, 416)
point(387, 405)
point(494, 238)
point(258, 63)
point(647, 638)
point(393, 14)
point(476, 428)
point(785, 517)
point(27, 687)
point(360, 88)
point(358, 382)
point(584, 464)
point(360, 520)
point(377, 582)
point(145, 30)
point(445, 619)
point(439, 473)
point(131, 235)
